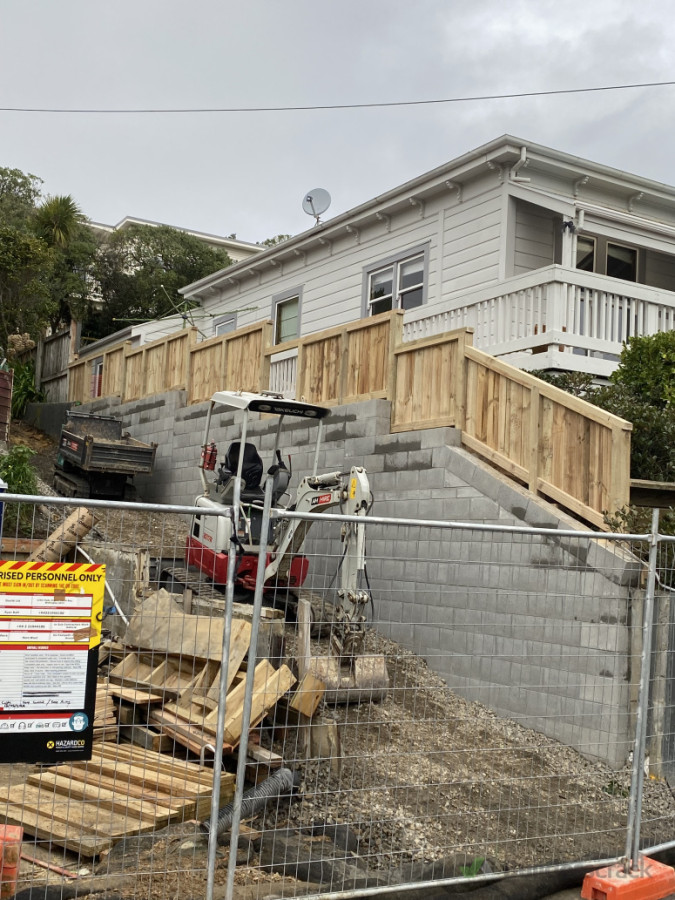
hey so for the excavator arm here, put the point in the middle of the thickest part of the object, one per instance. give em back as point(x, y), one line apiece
point(349, 494)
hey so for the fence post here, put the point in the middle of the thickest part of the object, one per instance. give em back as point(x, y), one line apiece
point(39, 360)
point(395, 340)
point(637, 773)
point(265, 358)
point(466, 337)
point(619, 468)
point(189, 347)
point(533, 462)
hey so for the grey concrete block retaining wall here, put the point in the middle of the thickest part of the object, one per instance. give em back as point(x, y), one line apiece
point(536, 628)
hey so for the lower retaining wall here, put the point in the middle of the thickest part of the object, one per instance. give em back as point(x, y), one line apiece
point(532, 597)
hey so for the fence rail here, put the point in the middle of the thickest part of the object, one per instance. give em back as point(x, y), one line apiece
point(524, 668)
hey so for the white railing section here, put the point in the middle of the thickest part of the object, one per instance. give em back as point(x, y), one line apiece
point(553, 310)
point(549, 317)
point(283, 372)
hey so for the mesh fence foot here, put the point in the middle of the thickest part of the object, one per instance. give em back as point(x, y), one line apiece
point(652, 880)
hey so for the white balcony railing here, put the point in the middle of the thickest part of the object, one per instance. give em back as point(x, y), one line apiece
point(553, 317)
point(549, 318)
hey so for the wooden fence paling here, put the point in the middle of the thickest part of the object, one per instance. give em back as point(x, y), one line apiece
point(245, 354)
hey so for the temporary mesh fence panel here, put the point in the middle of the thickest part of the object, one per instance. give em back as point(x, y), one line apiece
point(485, 723)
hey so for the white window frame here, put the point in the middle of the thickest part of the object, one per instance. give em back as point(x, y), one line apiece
point(278, 301)
point(394, 262)
point(97, 377)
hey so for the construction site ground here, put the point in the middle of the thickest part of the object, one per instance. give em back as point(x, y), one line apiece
point(533, 801)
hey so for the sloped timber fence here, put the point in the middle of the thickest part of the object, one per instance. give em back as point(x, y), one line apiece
point(559, 446)
point(512, 736)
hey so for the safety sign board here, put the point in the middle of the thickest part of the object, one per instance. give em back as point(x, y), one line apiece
point(50, 631)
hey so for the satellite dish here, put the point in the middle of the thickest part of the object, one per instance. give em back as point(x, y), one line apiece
point(316, 202)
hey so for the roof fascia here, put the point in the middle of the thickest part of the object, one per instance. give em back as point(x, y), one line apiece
point(504, 151)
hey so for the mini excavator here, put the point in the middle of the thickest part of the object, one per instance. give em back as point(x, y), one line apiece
point(350, 674)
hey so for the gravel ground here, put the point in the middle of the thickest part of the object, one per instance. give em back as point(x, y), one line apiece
point(426, 774)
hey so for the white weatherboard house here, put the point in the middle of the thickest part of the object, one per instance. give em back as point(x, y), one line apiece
point(553, 260)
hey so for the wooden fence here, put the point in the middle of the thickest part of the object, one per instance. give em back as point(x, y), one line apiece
point(345, 364)
point(236, 361)
point(557, 445)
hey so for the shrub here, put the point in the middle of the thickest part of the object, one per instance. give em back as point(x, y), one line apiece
point(24, 390)
point(16, 470)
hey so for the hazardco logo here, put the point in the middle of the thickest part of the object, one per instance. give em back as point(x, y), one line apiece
point(50, 745)
point(67, 744)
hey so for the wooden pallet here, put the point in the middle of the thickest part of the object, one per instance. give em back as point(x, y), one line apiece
point(124, 790)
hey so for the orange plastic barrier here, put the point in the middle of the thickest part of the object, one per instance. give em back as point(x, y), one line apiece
point(10, 856)
point(652, 880)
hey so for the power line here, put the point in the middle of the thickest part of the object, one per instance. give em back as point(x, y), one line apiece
point(334, 106)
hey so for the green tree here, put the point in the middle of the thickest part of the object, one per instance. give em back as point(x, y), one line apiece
point(25, 263)
point(273, 241)
point(139, 271)
point(19, 194)
point(57, 219)
point(641, 390)
point(60, 223)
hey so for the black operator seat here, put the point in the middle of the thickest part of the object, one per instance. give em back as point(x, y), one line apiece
point(251, 471)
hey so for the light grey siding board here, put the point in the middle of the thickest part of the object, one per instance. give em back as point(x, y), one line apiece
point(332, 281)
point(660, 271)
point(534, 238)
point(472, 240)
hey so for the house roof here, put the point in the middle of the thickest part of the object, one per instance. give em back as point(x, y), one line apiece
point(504, 154)
point(216, 239)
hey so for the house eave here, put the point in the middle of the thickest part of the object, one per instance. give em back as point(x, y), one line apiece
point(501, 155)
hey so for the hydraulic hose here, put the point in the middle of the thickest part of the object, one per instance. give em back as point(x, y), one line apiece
point(253, 800)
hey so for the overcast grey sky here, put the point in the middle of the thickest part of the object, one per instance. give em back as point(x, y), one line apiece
point(248, 172)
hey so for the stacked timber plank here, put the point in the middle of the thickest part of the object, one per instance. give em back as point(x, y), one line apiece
point(160, 698)
point(122, 791)
point(174, 681)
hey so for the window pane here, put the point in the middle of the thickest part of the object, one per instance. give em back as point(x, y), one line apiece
point(622, 262)
point(225, 326)
point(380, 306)
point(381, 284)
point(411, 299)
point(286, 328)
point(411, 273)
point(586, 254)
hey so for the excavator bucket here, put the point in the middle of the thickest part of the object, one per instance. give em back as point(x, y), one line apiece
point(365, 680)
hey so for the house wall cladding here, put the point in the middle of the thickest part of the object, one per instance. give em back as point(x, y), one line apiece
point(463, 241)
point(426, 474)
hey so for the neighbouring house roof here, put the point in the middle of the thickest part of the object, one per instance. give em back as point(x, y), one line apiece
point(513, 155)
point(238, 250)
